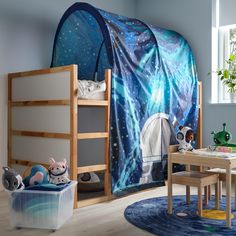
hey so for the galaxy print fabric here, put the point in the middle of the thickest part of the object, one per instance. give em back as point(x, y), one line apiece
point(154, 84)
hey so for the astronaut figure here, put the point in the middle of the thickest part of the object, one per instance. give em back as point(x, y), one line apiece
point(184, 137)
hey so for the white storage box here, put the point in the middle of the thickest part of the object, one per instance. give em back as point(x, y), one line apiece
point(42, 209)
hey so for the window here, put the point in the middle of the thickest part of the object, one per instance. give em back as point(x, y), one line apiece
point(227, 35)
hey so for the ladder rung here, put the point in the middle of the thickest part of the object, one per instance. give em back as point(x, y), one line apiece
point(40, 103)
point(83, 102)
point(91, 168)
point(92, 135)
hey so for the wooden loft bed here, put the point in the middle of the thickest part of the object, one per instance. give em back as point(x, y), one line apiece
point(43, 122)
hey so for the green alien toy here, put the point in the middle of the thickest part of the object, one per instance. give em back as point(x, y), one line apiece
point(222, 138)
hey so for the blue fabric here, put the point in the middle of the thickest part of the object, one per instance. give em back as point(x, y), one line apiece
point(153, 71)
point(151, 215)
point(34, 170)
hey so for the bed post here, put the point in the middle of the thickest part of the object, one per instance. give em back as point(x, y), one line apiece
point(107, 184)
point(9, 122)
point(199, 127)
point(73, 127)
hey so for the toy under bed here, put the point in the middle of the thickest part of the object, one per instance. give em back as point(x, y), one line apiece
point(42, 209)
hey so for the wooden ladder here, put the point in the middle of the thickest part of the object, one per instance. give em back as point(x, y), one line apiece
point(95, 135)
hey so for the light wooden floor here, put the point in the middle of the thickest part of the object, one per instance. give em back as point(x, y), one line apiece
point(97, 220)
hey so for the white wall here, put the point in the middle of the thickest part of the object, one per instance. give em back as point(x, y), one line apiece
point(193, 19)
point(27, 31)
point(227, 12)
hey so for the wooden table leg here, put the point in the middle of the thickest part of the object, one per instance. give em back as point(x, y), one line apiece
point(200, 201)
point(209, 192)
point(187, 188)
point(220, 190)
point(169, 184)
point(234, 180)
point(217, 203)
point(188, 195)
point(228, 196)
point(206, 195)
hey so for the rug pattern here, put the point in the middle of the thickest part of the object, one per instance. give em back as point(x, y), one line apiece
point(151, 215)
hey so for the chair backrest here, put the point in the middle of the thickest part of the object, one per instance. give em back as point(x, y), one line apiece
point(173, 148)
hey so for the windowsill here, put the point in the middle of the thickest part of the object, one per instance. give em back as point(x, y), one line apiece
point(223, 103)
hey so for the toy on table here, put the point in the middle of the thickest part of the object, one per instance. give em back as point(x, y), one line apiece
point(184, 137)
point(36, 175)
point(11, 180)
point(221, 140)
point(58, 172)
point(223, 137)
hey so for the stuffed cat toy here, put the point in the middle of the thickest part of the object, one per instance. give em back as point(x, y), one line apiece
point(11, 180)
point(58, 172)
point(184, 137)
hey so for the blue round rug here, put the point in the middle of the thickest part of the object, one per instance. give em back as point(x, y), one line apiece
point(151, 215)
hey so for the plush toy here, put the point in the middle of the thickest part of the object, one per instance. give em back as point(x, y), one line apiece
point(35, 175)
point(184, 137)
point(11, 180)
point(58, 172)
point(222, 138)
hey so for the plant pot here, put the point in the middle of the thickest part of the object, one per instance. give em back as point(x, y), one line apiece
point(232, 97)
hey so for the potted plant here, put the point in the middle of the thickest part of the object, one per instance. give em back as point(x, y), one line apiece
point(228, 74)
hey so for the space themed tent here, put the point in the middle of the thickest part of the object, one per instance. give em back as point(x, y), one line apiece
point(154, 85)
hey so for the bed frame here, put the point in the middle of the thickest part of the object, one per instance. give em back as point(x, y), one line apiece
point(42, 122)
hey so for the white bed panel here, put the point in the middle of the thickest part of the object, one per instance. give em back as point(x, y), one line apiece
point(40, 149)
point(19, 168)
point(42, 118)
point(53, 86)
point(91, 152)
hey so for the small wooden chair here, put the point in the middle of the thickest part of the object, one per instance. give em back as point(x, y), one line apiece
point(196, 179)
point(222, 177)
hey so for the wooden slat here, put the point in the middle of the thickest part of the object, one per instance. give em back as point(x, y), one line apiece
point(173, 148)
point(95, 103)
point(73, 127)
point(41, 71)
point(87, 202)
point(40, 134)
point(199, 128)
point(27, 163)
point(107, 177)
point(92, 135)
point(9, 122)
point(40, 103)
point(92, 168)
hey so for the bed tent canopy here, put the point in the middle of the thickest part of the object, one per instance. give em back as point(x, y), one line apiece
point(154, 86)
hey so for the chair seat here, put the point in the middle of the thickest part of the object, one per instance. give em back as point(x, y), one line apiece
point(221, 171)
point(195, 178)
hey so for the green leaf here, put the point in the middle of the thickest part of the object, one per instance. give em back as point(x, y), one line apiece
point(232, 57)
point(226, 74)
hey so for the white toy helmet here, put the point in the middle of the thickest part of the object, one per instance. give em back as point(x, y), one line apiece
point(181, 135)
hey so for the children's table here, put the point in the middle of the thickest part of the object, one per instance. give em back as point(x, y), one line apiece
point(201, 157)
